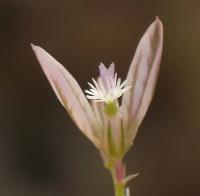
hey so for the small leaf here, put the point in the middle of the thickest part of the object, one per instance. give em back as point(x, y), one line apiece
point(129, 178)
point(69, 93)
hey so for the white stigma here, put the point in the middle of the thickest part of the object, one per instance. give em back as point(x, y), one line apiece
point(108, 87)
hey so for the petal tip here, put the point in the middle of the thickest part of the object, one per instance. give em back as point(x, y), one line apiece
point(32, 45)
point(102, 65)
point(158, 21)
point(157, 18)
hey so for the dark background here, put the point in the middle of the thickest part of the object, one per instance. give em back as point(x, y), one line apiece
point(42, 153)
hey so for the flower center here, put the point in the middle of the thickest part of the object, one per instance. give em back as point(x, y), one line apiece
point(111, 108)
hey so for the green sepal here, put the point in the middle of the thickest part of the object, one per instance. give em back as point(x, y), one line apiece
point(110, 142)
point(111, 109)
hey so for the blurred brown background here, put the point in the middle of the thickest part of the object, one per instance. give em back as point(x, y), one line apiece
point(42, 153)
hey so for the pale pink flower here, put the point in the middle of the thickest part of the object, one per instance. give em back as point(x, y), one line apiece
point(108, 87)
point(110, 125)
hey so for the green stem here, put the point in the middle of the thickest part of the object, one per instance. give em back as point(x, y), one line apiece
point(119, 189)
point(119, 186)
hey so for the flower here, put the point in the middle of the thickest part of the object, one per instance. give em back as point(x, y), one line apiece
point(110, 125)
point(108, 88)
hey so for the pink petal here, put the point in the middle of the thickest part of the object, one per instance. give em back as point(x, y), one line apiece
point(111, 70)
point(69, 93)
point(98, 109)
point(142, 76)
point(105, 73)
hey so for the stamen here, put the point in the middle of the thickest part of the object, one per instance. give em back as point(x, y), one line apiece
point(108, 88)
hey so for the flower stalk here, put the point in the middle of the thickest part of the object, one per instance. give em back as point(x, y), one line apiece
point(118, 173)
point(119, 187)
